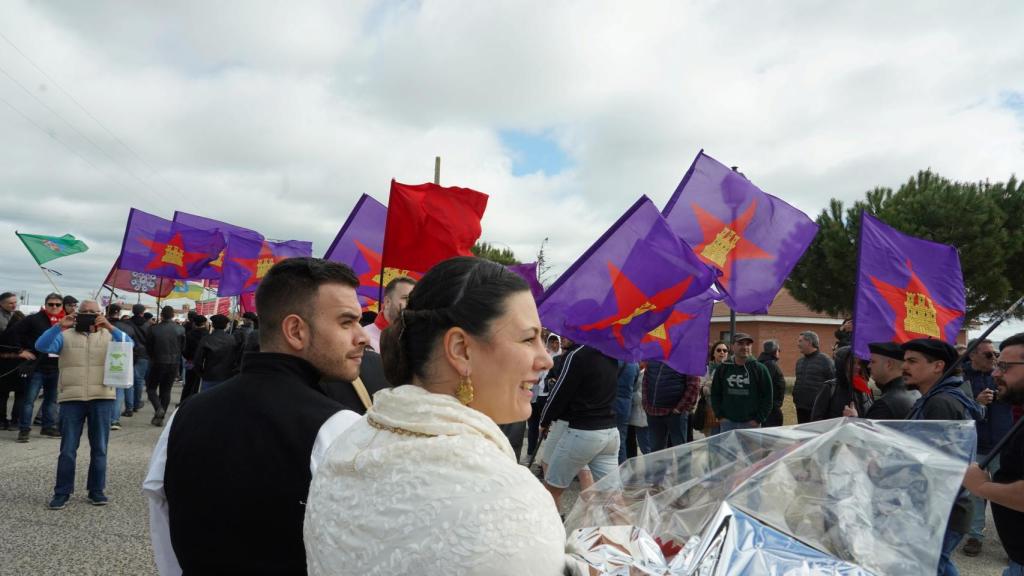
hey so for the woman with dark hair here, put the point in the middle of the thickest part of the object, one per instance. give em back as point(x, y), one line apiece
point(426, 482)
point(840, 393)
point(705, 419)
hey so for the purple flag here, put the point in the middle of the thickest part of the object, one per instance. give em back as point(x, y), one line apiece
point(751, 238)
point(529, 273)
point(157, 246)
point(625, 285)
point(247, 261)
point(907, 288)
point(359, 244)
point(682, 340)
point(214, 269)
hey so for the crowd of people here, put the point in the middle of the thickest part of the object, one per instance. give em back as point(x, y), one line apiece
point(389, 444)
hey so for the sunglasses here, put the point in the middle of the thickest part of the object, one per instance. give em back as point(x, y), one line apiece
point(991, 355)
point(54, 304)
point(721, 349)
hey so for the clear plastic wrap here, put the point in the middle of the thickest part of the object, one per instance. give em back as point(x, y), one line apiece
point(843, 496)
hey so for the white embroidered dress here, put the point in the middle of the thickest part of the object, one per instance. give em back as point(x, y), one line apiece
point(441, 494)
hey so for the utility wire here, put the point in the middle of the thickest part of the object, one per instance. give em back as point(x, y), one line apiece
point(80, 133)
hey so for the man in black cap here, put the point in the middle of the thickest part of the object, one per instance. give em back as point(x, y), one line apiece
point(1006, 489)
point(886, 367)
point(70, 305)
point(741, 390)
point(925, 360)
point(217, 356)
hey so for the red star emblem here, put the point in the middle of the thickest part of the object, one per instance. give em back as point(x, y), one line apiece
point(632, 302)
point(918, 315)
point(372, 276)
point(662, 333)
point(724, 243)
point(171, 253)
point(258, 266)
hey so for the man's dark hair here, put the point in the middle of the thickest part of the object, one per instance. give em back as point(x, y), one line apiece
point(167, 313)
point(466, 292)
point(252, 317)
point(53, 296)
point(138, 309)
point(291, 286)
point(7, 295)
point(199, 320)
point(770, 346)
point(113, 311)
point(219, 321)
point(1015, 340)
point(390, 288)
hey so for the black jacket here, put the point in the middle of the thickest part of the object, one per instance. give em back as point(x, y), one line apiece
point(192, 339)
point(27, 332)
point(165, 342)
point(584, 391)
point(778, 378)
point(894, 403)
point(216, 356)
point(129, 328)
point(237, 474)
point(811, 374)
point(142, 326)
point(838, 393)
point(371, 372)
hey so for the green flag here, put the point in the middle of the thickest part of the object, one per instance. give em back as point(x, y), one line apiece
point(46, 248)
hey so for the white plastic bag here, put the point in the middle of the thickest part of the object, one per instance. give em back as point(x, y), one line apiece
point(117, 369)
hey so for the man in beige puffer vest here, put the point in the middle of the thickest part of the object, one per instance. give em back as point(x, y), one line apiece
point(83, 398)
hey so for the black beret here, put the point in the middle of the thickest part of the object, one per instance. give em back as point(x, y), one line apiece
point(887, 349)
point(934, 349)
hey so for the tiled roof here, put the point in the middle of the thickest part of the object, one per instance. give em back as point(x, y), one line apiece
point(783, 305)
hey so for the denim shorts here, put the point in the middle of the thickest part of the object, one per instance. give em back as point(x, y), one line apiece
point(578, 448)
point(558, 427)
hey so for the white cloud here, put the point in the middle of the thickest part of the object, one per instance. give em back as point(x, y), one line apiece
point(277, 116)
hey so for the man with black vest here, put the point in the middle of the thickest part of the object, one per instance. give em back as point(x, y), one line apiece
point(228, 480)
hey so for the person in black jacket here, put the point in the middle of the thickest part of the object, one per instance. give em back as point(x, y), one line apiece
point(193, 337)
point(813, 369)
point(11, 380)
point(584, 396)
point(45, 374)
point(770, 358)
point(886, 368)
point(140, 355)
point(838, 396)
point(230, 475)
point(216, 356)
point(165, 343)
point(124, 405)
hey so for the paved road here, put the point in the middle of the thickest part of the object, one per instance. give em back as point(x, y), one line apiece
point(114, 539)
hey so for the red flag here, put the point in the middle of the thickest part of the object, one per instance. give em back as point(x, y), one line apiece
point(428, 223)
point(155, 286)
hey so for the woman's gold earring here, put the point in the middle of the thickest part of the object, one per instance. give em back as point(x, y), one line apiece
point(465, 391)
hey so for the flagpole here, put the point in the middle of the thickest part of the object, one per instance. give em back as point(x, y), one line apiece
point(48, 277)
point(437, 170)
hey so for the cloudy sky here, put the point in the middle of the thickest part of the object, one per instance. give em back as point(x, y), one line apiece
point(277, 116)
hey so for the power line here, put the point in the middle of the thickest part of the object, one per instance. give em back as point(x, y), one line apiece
point(79, 132)
point(64, 144)
point(153, 171)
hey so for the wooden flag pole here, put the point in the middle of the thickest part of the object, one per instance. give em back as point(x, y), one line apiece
point(437, 170)
point(50, 278)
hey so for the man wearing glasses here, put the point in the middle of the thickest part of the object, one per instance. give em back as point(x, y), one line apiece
point(997, 422)
point(1006, 488)
point(45, 373)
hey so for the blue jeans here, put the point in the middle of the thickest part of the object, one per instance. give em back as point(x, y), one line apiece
point(978, 522)
point(666, 431)
point(1014, 569)
point(125, 397)
point(949, 543)
point(207, 384)
point(726, 425)
point(48, 382)
point(99, 414)
point(139, 387)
